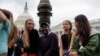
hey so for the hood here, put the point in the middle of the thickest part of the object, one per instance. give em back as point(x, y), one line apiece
point(94, 31)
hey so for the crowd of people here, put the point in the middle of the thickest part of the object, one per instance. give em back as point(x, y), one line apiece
point(82, 41)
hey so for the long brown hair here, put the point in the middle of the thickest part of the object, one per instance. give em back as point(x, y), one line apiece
point(13, 33)
point(69, 22)
point(83, 29)
point(25, 34)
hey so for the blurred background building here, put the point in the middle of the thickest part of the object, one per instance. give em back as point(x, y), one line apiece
point(95, 24)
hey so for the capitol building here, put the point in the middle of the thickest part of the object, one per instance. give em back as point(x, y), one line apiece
point(23, 17)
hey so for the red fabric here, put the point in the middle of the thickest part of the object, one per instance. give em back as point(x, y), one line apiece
point(29, 54)
point(24, 54)
point(32, 54)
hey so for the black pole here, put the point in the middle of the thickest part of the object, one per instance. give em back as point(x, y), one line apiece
point(44, 11)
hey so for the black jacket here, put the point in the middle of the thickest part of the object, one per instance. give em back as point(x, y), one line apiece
point(33, 40)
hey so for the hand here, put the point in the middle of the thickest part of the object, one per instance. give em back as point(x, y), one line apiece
point(24, 54)
point(15, 45)
point(73, 54)
point(22, 49)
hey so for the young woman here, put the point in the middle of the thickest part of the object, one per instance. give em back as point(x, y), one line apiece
point(87, 41)
point(66, 37)
point(30, 38)
point(13, 33)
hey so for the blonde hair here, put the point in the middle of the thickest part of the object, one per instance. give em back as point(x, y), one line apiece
point(25, 34)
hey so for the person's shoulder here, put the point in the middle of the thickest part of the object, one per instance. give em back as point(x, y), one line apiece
point(34, 30)
point(52, 33)
point(94, 32)
point(63, 34)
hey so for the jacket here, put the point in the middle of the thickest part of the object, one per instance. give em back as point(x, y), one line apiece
point(92, 48)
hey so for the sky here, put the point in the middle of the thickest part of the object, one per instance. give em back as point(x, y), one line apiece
point(62, 9)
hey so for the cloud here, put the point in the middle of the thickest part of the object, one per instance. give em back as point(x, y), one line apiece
point(62, 9)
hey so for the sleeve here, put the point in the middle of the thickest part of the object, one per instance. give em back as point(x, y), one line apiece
point(90, 48)
point(37, 38)
point(7, 26)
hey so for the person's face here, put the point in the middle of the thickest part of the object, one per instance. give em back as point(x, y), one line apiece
point(45, 29)
point(66, 26)
point(30, 25)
